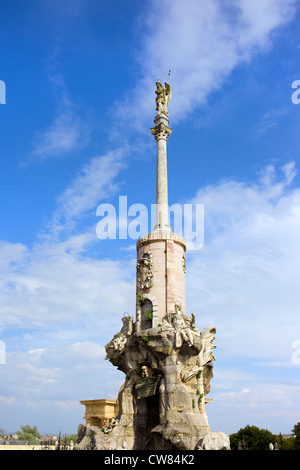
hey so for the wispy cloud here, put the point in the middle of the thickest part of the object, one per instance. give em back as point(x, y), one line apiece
point(250, 264)
point(56, 281)
point(269, 121)
point(70, 129)
point(94, 182)
point(65, 134)
point(202, 43)
point(202, 46)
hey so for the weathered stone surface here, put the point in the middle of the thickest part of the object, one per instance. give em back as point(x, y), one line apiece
point(85, 439)
point(161, 404)
point(214, 441)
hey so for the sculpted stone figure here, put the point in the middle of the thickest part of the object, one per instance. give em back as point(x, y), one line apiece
point(189, 373)
point(182, 331)
point(184, 326)
point(112, 423)
point(144, 272)
point(118, 343)
point(163, 96)
point(145, 372)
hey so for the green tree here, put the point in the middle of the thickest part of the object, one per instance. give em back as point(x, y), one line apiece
point(296, 432)
point(66, 439)
point(29, 434)
point(71, 437)
point(253, 437)
point(285, 443)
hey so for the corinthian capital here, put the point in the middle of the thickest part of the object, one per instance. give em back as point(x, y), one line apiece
point(161, 131)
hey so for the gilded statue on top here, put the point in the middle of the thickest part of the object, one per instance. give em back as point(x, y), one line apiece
point(163, 96)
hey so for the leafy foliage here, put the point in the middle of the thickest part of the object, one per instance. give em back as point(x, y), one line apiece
point(253, 438)
point(141, 299)
point(148, 314)
point(29, 434)
point(296, 432)
point(146, 339)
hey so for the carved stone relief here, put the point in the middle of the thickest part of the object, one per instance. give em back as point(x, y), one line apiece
point(144, 271)
point(118, 343)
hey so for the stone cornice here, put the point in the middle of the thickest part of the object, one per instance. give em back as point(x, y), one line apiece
point(159, 236)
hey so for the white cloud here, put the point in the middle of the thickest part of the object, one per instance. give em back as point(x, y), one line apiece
point(245, 278)
point(262, 404)
point(57, 286)
point(11, 253)
point(95, 182)
point(259, 19)
point(202, 43)
point(7, 401)
point(45, 386)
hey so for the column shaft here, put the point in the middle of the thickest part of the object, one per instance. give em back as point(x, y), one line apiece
point(161, 133)
point(162, 209)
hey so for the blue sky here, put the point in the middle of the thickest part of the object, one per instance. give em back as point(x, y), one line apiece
point(75, 133)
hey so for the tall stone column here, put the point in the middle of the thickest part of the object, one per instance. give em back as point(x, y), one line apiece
point(160, 253)
point(161, 132)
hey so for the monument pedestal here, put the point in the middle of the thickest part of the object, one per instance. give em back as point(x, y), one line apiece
point(162, 402)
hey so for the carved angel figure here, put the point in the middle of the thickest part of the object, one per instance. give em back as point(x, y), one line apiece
point(117, 344)
point(163, 96)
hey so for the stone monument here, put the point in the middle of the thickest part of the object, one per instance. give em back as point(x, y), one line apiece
point(166, 359)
